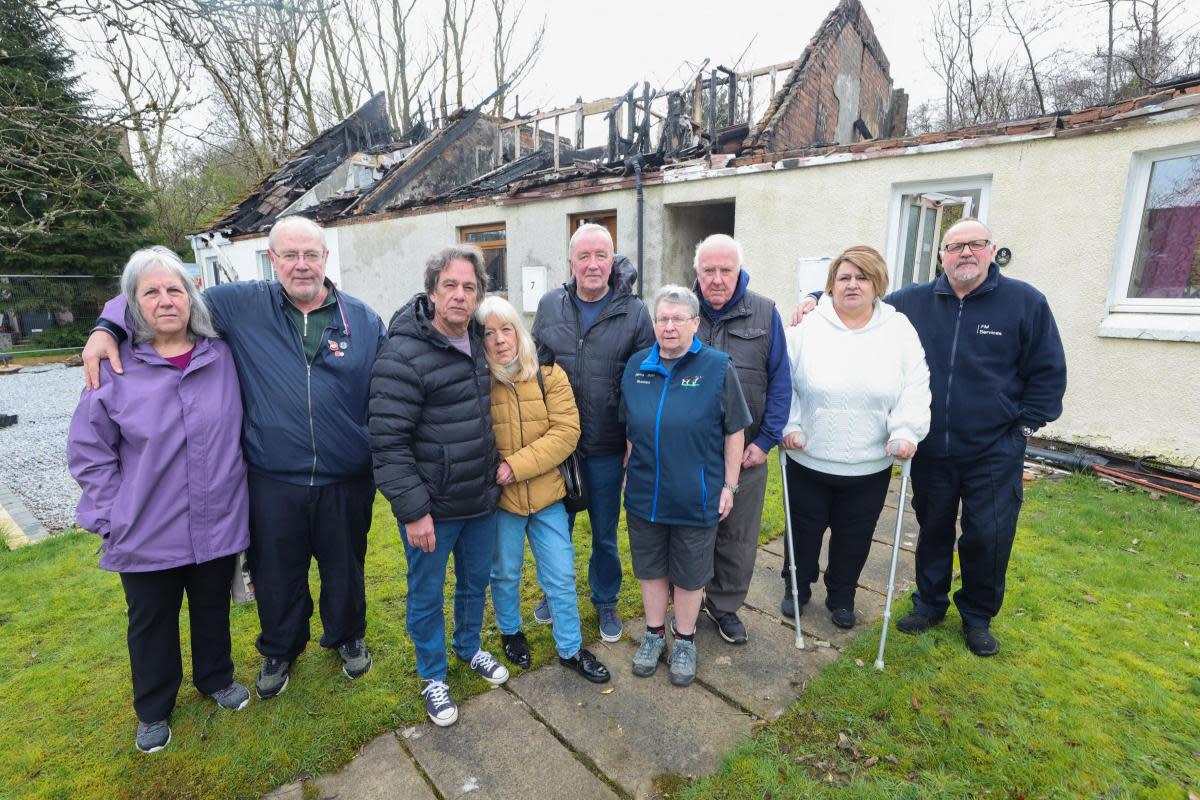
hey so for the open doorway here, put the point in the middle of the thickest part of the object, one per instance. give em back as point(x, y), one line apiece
point(685, 226)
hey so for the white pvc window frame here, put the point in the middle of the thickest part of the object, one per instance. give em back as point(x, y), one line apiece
point(1137, 187)
point(896, 226)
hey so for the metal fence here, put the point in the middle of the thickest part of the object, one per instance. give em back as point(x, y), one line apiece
point(50, 313)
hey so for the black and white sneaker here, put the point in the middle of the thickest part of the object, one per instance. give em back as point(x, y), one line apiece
point(438, 705)
point(153, 736)
point(730, 626)
point(356, 658)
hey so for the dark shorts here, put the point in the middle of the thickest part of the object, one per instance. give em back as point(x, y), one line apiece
point(679, 553)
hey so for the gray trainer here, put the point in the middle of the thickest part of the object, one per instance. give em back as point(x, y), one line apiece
point(153, 736)
point(356, 658)
point(272, 678)
point(683, 662)
point(651, 651)
point(235, 697)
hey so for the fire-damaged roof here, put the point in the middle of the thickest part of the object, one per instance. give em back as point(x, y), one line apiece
point(366, 128)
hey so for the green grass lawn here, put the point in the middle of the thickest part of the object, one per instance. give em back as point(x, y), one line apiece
point(66, 714)
point(1090, 697)
point(1095, 692)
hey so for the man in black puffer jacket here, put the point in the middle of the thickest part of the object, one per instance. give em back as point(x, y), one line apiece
point(435, 461)
point(590, 327)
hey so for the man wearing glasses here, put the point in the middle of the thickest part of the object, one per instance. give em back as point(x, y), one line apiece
point(303, 352)
point(997, 373)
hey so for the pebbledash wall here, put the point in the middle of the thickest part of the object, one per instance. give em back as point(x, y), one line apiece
point(1057, 203)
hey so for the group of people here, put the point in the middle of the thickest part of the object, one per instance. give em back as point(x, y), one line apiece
point(263, 416)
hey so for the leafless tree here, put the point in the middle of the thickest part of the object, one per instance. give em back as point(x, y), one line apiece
point(507, 21)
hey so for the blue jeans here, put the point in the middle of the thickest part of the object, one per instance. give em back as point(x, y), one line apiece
point(473, 541)
point(554, 559)
point(603, 476)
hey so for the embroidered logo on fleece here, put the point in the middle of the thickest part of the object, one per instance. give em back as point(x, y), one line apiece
point(690, 382)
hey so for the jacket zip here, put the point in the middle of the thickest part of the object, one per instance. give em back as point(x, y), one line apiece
point(662, 400)
point(521, 434)
point(950, 378)
point(312, 430)
point(579, 332)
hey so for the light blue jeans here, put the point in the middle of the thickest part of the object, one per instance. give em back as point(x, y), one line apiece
point(553, 557)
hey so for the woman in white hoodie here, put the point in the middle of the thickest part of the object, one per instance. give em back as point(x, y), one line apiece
point(860, 397)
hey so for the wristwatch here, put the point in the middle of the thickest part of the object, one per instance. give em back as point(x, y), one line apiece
point(732, 487)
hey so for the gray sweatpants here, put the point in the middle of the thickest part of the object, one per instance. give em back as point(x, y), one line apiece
point(737, 543)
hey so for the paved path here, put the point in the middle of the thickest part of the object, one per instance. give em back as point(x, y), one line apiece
point(549, 733)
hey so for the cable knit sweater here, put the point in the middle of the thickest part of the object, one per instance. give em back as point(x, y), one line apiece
point(853, 391)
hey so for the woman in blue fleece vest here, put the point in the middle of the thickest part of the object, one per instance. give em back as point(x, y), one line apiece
point(685, 413)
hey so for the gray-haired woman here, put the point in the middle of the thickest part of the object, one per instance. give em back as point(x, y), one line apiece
point(684, 413)
point(158, 455)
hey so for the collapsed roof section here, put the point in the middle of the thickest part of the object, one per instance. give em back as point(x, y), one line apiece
point(366, 129)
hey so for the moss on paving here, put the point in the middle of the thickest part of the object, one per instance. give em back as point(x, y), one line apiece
point(1095, 692)
point(1086, 698)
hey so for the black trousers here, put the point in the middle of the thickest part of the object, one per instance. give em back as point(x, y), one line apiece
point(289, 526)
point(849, 507)
point(990, 491)
point(154, 600)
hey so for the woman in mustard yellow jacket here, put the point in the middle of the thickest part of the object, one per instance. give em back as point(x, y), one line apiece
point(537, 427)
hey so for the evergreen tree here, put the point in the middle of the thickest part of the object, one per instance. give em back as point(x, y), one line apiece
point(69, 203)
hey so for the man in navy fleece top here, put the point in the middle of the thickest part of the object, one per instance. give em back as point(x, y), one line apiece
point(997, 373)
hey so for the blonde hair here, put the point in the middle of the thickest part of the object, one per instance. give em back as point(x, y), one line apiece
point(526, 361)
point(869, 261)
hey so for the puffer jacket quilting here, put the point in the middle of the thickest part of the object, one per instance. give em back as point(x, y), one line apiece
point(534, 434)
point(430, 421)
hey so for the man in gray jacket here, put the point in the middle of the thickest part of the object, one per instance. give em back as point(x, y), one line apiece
point(747, 326)
point(590, 327)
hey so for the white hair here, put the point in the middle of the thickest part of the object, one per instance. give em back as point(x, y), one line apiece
point(295, 223)
point(527, 364)
point(584, 230)
point(719, 240)
point(158, 257)
point(677, 296)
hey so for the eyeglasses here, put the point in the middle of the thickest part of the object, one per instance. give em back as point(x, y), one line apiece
point(676, 321)
point(957, 247)
point(310, 256)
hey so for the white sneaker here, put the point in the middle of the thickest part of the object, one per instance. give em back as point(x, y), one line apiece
point(438, 705)
point(489, 668)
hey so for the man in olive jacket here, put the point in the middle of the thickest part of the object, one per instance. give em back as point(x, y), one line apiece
point(590, 327)
point(435, 461)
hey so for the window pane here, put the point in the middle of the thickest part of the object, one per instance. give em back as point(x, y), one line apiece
point(1167, 261)
point(477, 237)
point(497, 269)
point(910, 242)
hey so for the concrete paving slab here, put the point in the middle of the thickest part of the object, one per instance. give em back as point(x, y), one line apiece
point(766, 674)
point(643, 727)
point(766, 590)
point(382, 771)
point(497, 749)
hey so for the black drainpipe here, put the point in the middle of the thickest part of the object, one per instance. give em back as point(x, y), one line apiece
point(636, 162)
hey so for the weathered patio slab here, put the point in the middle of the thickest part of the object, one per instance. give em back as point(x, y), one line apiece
point(764, 675)
point(497, 749)
point(766, 590)
point(643, 728)
point(382, 771)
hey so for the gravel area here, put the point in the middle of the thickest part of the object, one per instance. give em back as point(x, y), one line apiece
point(34, 461)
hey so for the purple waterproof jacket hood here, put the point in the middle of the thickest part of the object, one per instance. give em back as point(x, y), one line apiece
point(157, 452)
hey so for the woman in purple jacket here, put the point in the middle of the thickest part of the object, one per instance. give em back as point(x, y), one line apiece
point(158, 454)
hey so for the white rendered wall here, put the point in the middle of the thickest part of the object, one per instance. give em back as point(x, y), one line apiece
point(1056, 203)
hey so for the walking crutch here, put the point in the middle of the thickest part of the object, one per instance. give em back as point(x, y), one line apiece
point(887, 606)
point(791, 548)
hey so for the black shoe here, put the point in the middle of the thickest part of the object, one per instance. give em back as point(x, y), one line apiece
point(915, 622)
point(732, 629)
point(788, 607)
point(843, 617)
point(980, 641)
point(516, 649)
point(586, 665)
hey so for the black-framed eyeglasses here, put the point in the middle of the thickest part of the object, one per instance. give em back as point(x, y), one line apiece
point(957, 247)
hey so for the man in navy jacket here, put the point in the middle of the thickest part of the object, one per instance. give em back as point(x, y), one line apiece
point(997, 373)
